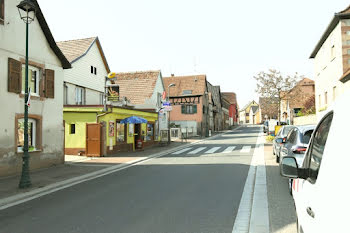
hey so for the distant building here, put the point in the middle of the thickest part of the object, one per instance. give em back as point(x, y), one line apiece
point(332, 61)
point(233, 108)
point(254, 115)
point(244, 113)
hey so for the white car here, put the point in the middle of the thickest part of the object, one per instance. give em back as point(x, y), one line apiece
point(321, 188)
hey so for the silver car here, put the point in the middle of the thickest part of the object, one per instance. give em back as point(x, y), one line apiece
point(279, 139)
point(296, 144)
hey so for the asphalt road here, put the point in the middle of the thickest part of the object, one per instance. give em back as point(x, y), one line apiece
point(197, 190)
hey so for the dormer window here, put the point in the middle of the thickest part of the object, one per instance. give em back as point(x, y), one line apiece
point(2, 11)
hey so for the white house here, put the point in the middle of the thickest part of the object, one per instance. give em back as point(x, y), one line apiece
point(332, 61)
point(46, 66)
point(84, 83)
point(143, 90)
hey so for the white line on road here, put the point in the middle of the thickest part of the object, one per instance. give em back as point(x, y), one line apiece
point(196, 150)
point(229, 149)
point(181, 151)
point(212, 150)
point(245, 149)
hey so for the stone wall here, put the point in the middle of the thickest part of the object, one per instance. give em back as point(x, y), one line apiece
point(305, 120)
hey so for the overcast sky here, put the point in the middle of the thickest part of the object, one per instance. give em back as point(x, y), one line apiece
point(228, 40)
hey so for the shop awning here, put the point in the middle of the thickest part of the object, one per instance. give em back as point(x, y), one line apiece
point(133, 120)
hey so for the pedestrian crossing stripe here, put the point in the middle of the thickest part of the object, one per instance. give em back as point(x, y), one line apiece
point(199, 149)
point(212, 150)
point(182, 151)
point(245, 149)
point(229, 149)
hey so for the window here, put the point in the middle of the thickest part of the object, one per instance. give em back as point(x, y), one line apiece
point(95, 70)
point(72, 129)
point(247, 114)
point(319, 101)
point(2, 11)
point(306, 137)
point(347, 42)
point(189, 109)
point(34, 132)
point(150, 132)
point(347, 22)
point(348, 61)
point(102, 98)
point(332, 52)
point(121, 132)
point(317, 147)
point(79, 95)
point(334, 92)
point(65, 94)
point(348, 51)
point(292, 136)
point(325, 98)
point(33, 80)
point(92, 69)
point(348, 33)
point(187, 92)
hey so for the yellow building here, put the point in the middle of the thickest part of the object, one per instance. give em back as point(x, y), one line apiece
point(91, 131)
point(245, 113)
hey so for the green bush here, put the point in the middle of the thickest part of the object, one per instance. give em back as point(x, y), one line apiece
point(269, 138)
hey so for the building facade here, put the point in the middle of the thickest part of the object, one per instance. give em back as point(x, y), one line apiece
point(84, 83)
point(45, 79)
point(190, 104)
point(233, 108)
point(332, 61)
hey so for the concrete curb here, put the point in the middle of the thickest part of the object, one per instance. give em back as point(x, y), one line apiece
point(24, 197)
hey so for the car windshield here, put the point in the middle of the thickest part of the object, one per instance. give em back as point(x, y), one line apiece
point(306, 137)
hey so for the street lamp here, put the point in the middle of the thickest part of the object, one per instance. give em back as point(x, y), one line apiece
point(26, 11)
point(170, 85)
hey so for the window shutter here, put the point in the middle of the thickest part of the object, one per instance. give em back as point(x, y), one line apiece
point(14, 76)
point(194, 108)
point(49, 83)
point(183, 109)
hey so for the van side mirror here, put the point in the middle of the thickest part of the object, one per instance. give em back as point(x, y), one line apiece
point(289, 167)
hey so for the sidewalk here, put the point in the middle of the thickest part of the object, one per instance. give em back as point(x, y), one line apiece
point(79, 169)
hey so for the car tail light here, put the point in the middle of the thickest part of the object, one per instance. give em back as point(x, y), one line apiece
point(299, 150)
point(284, 139)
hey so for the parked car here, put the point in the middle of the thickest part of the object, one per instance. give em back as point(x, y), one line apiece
point(320, 188)
point(277, 142)
point(295, 145)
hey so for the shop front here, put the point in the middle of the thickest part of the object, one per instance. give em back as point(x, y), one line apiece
point(117, 132)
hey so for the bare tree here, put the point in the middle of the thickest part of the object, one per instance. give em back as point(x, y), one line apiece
point(273, 85)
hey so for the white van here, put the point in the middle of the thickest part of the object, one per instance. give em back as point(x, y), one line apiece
point(322, 191)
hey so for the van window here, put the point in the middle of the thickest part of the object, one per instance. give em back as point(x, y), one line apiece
point(317, 147)
point(292, 136)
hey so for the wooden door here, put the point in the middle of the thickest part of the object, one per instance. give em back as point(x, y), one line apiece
point(93, 139)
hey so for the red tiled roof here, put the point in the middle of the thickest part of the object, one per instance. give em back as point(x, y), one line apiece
point(137, 86)
point(73, 49)
point(194, 83)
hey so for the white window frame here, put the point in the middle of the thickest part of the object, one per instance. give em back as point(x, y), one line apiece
point(34, 133)
point(79, 95)
point(37, 79)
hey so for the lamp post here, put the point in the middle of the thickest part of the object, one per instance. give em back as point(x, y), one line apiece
point(170, 85)
point(26, 11)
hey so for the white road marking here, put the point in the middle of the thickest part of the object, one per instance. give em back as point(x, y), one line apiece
point(212, 150)
point(245, 149)
point(229, 149)
point(196, 150)
point(181, 151)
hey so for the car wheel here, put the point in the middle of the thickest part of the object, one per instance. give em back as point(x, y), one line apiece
point(277, 158)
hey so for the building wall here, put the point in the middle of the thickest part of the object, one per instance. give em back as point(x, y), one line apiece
point(328, 70)
point(176, 114)
point(12, 44)
point(80, 74)
point(92, 97)
point(305, 120)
